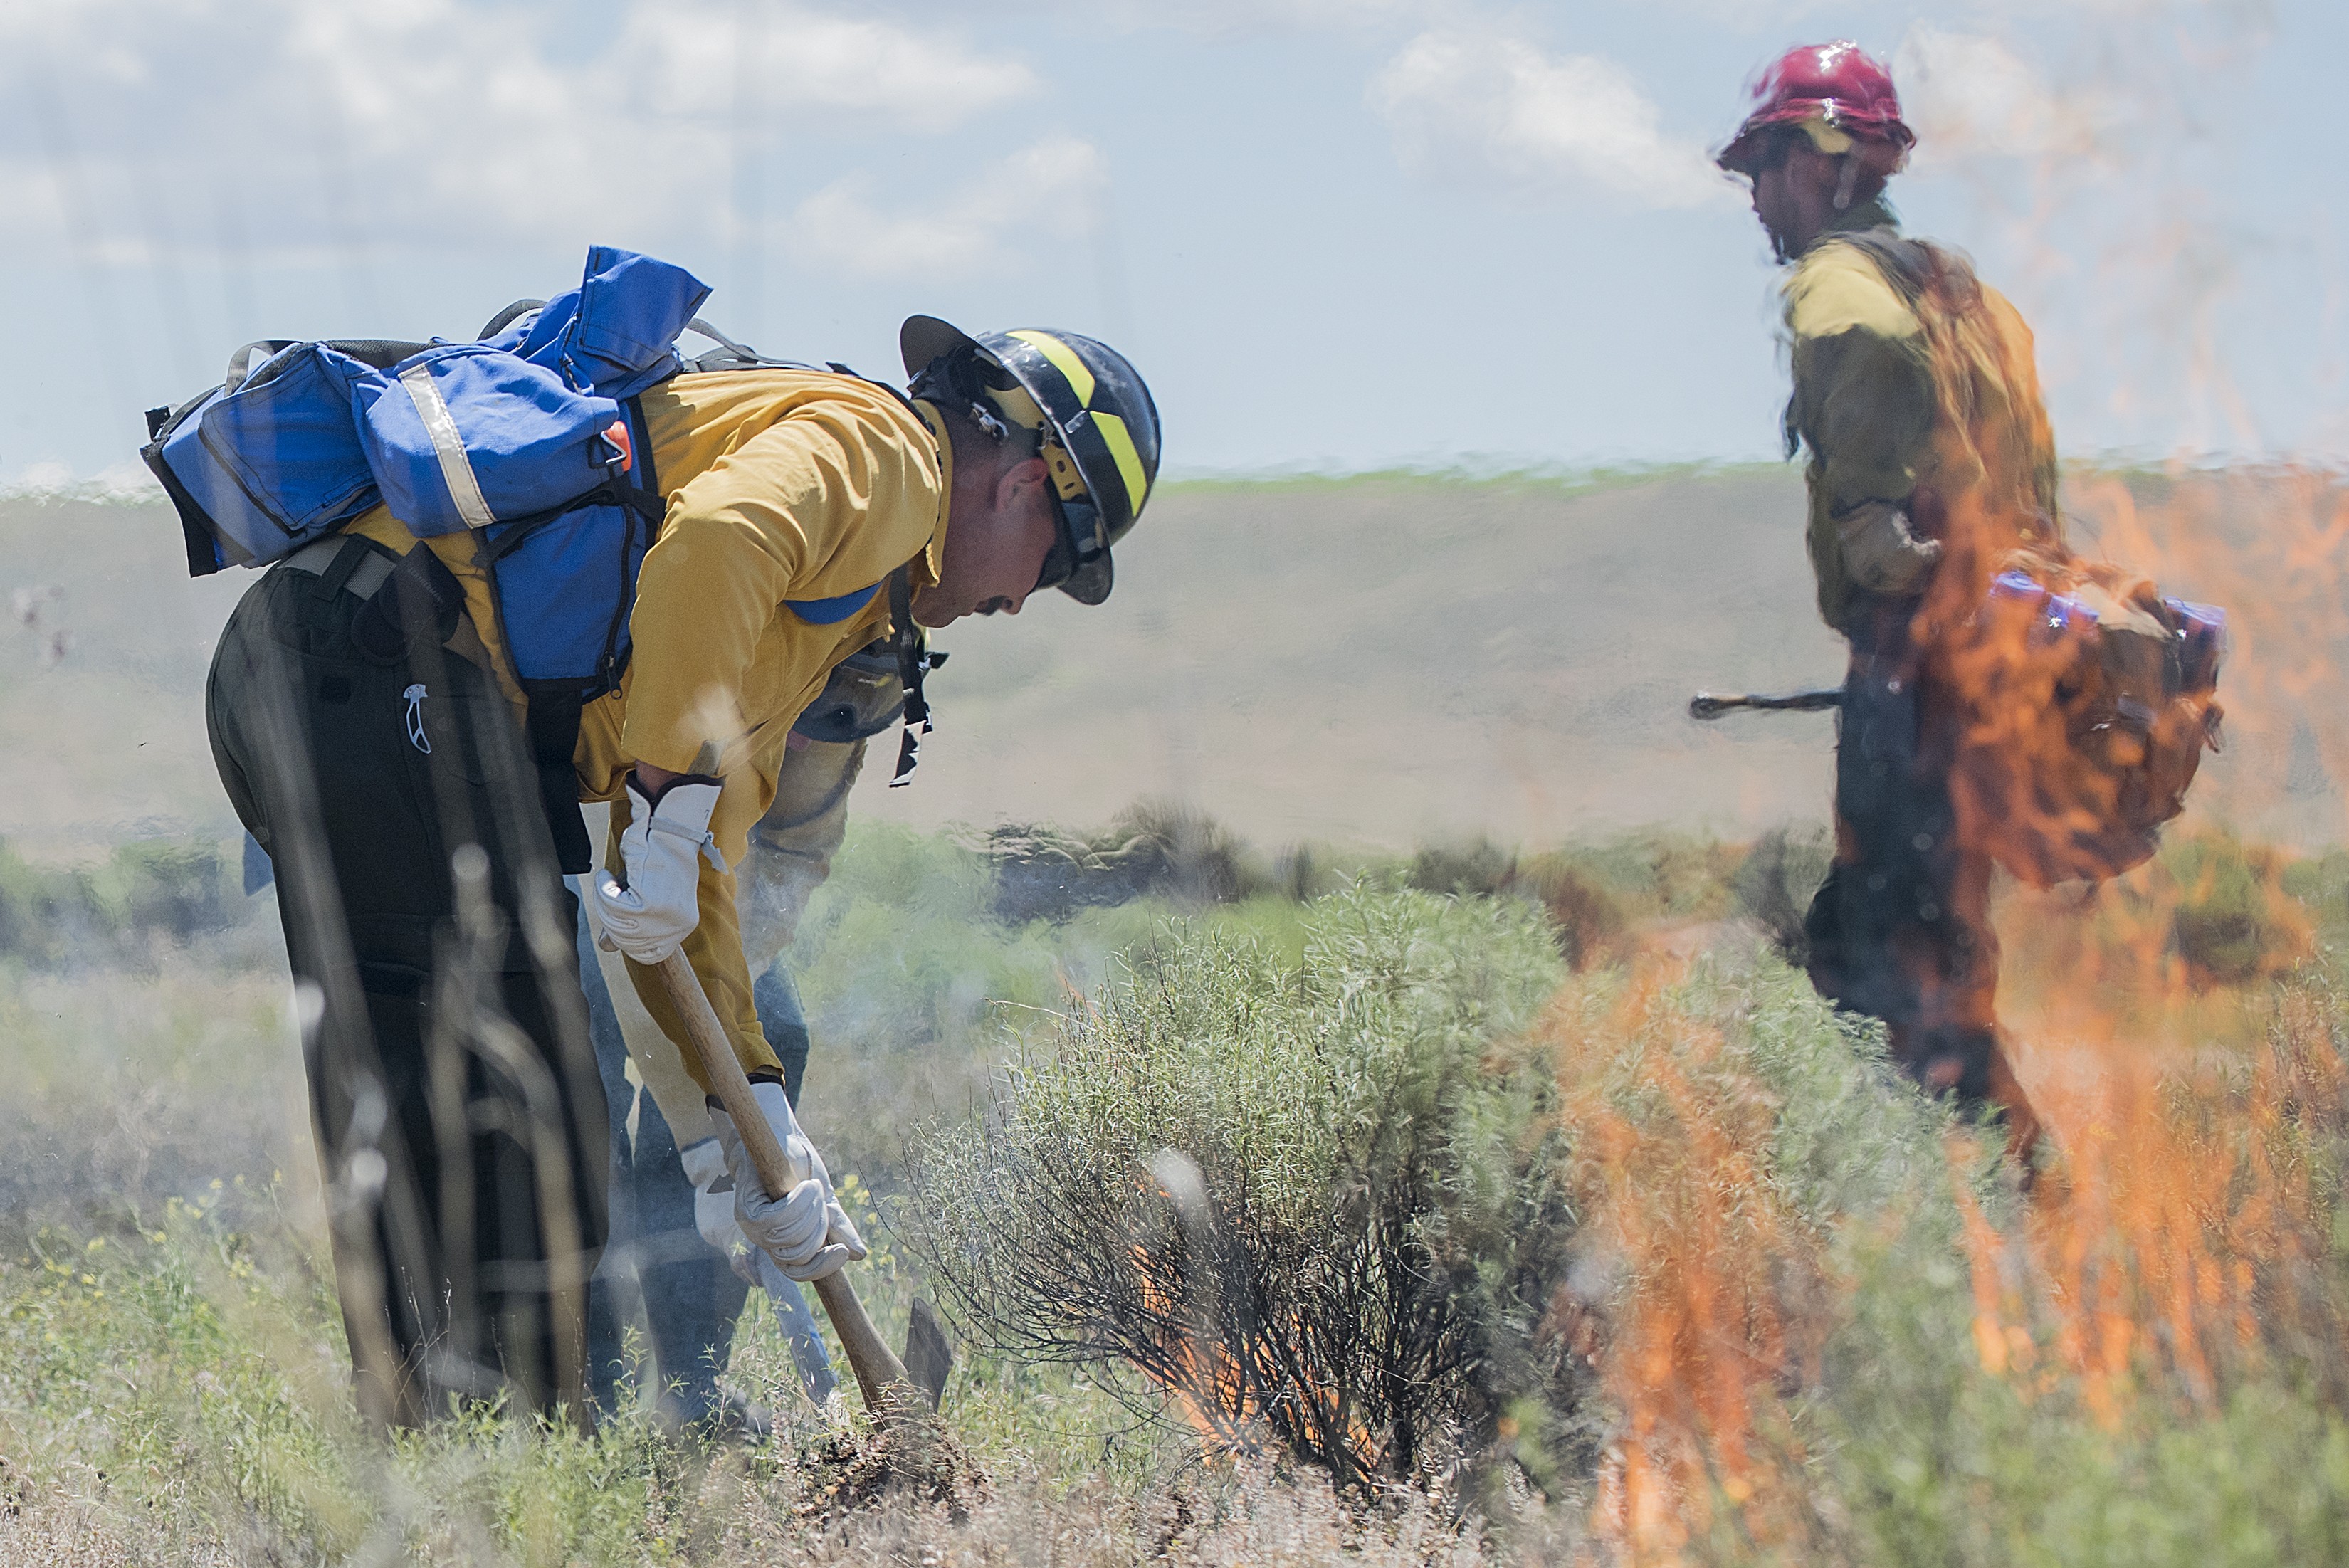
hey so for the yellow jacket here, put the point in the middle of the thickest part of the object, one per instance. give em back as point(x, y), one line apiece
point(1921, 407)
point(782, 485)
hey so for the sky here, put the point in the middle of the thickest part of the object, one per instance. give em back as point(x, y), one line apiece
point(1334, 235)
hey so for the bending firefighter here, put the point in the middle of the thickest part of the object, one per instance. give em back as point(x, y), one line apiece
point(370, 728)
point(1932, 464)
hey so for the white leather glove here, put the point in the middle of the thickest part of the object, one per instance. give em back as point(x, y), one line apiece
point(805, 1230)
point(656, 901)
point(713, 1204)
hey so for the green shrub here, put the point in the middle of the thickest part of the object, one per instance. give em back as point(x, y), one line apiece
point(1319, 1200)
point(1776, 881)
point(166, 887)
point(1153, 850)
point(900, 950)
point(171, 890)
point(2234, 920)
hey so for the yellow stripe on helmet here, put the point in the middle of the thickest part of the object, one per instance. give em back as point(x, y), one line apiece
point(1015, 405)
point(1064, 360)
point(1120, 442)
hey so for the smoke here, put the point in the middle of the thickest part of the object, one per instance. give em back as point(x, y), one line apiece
point(2118, 180)
point(1969, 95)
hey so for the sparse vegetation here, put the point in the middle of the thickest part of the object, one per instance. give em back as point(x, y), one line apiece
point(1669, 1263)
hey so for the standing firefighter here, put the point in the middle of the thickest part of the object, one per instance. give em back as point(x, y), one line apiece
point(1933, 467)
point(378, 726)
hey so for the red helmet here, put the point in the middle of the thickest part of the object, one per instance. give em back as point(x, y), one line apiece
point(1837, 92)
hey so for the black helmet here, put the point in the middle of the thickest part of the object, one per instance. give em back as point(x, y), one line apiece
point(1098, 428)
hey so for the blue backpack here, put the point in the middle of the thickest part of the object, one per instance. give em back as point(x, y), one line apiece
point(529, 436)
point(532, 435)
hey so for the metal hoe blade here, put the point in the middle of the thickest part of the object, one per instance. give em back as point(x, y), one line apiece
point(929, 1351)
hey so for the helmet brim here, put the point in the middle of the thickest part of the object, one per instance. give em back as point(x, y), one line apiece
point(1091, 583)
point(1742, 155)
point(1883, 141)
point(924, 338)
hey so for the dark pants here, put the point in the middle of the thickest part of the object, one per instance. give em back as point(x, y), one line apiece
point(460, 1121)
point(689, 1296)
point(1900, 930)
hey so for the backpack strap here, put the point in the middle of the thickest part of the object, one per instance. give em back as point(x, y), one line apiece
point(553, 711)
point(378, 353)
point(832, 612)
point(508, 316)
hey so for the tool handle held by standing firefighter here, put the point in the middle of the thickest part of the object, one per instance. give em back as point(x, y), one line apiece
point(1706, 706)
point(880, 1375)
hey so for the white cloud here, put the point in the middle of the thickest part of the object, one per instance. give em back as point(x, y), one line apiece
point(799, 59)
point(1221, 19)
point(1226, 16)
point(1483, 109)
point(312, 124)
point(1049, 191)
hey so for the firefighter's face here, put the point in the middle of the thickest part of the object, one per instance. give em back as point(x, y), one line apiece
point(998, 534)
point(1794, 195)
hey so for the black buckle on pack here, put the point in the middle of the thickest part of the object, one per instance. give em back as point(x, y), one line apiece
point(914, 661)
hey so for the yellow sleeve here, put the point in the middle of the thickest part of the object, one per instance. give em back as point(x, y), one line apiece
point(1838, 289)
point(1863, 399)
point(779, 517)
point(1865, 407)
point(1864, 403)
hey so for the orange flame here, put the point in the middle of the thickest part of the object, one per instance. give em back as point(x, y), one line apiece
point(1222, 1396)
point(1701, 1339)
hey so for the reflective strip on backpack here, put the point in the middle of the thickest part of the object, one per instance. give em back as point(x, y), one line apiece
point(456, 467)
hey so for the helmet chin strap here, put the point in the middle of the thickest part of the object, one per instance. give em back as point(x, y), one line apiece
point(1847, 183)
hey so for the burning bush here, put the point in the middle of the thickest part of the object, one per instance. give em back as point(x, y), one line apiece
point(1323, 1204)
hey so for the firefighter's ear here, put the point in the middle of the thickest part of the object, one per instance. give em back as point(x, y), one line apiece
point(1023, 487)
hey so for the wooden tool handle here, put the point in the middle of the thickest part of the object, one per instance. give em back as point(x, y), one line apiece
point(1706, 706)
point(880, 1375)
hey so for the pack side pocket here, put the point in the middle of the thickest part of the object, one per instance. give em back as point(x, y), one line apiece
point(565, 587)
point(631, 309)
point(467, 436)
point(284, 466)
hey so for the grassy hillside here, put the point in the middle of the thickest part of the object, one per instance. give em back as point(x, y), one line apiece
point(1386, 659)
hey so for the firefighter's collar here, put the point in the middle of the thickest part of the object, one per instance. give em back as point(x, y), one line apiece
point(934, 554)
point(1875, 212)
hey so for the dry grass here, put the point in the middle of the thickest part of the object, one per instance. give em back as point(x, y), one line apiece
point(1825, 1326)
